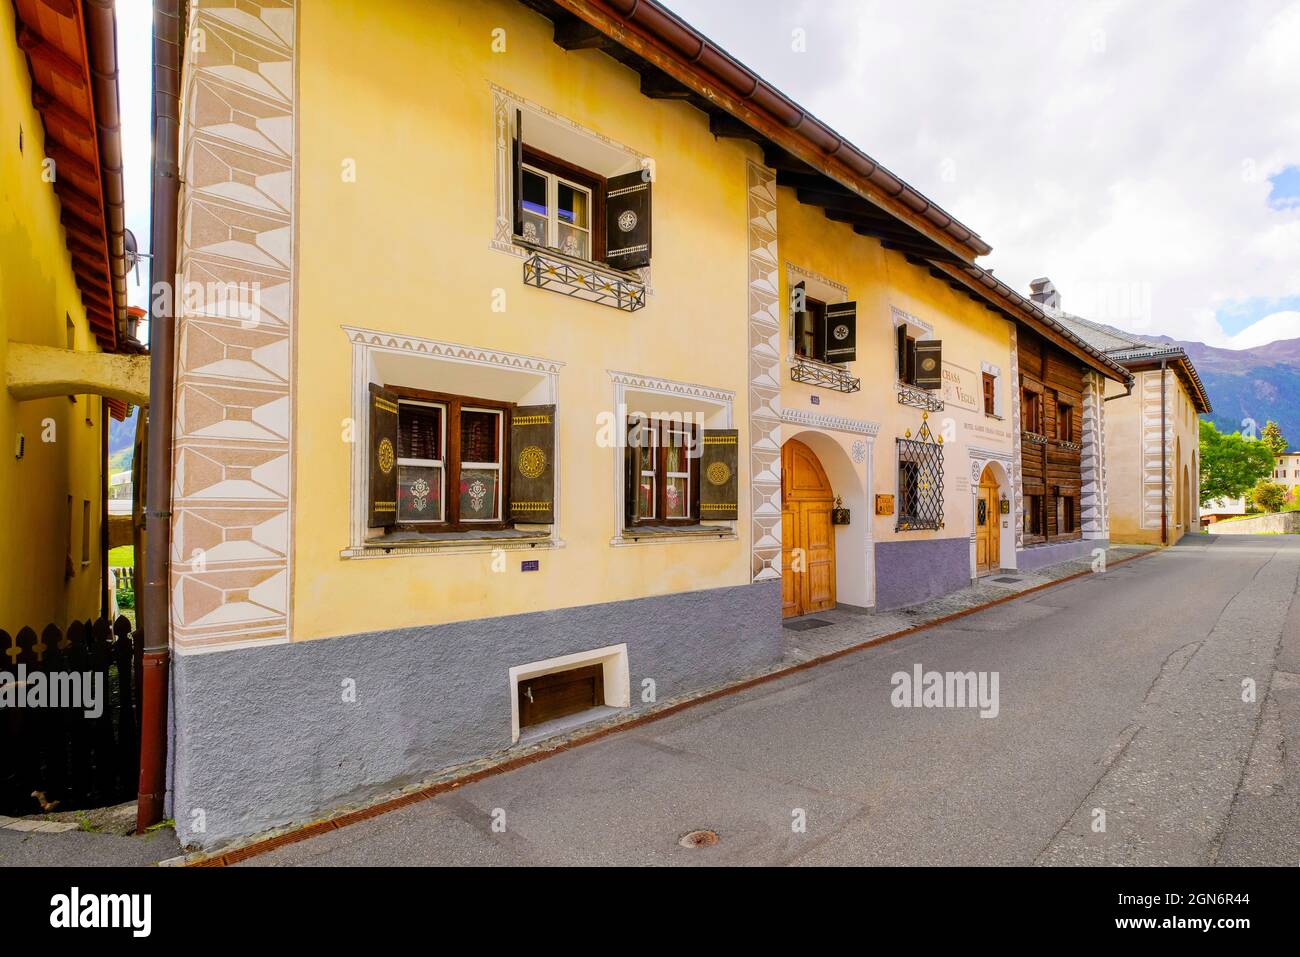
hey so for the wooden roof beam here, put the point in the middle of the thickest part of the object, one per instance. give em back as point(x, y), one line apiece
point(572, 33)
point(51, 107)
point(34, 45)
point(726, 125)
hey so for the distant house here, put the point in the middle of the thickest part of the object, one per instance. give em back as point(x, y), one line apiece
point(1286, 469)
point(1153, 446)
point(1220, 508)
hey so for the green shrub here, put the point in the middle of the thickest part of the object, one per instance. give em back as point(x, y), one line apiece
point(126, 598)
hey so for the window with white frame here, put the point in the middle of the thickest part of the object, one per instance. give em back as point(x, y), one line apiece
point(557, 211)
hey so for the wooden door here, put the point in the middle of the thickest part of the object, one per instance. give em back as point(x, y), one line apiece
point(807, 535)
point(988, 526)
point(561, 693)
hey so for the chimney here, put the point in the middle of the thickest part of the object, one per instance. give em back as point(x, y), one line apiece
point(1044, 293)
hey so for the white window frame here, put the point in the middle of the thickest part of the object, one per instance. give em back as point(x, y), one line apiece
point(686, 444)
point(486, 466)
point(553, 223)
point(651, 429)
point(428, 463)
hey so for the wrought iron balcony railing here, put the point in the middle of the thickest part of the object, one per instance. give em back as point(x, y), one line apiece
point(585, 281)
point(826, 376)
point(922, 399)
point(1033, 438)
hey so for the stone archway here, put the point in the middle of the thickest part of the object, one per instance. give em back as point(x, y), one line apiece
point(993, 546)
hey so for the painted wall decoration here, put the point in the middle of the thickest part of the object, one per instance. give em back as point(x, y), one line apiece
point(232, 506)
point(764, 376)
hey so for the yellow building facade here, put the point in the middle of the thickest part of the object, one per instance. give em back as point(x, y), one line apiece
point(52, 470)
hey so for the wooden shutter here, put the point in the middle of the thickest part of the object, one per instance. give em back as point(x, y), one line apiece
point(383, 457)
point(627, 221)
point(990, 403)
point(517, 170)
point(929, 364)
point(631, 478)
point(532, 464)
point(842, 332)
point(718, 482)
point(900, 335)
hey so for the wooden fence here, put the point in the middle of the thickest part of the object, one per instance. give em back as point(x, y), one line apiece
point(51, 746)
point(123, 577)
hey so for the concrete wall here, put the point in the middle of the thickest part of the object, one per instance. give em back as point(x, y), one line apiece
point(912, 572)
point(42, 527)
point(1285, 523)
point(265, 738)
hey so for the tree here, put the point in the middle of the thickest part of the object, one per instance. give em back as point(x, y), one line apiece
point(1272, 437)
point(1268, 496)
point(1231, 464)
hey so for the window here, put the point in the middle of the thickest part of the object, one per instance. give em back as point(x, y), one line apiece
point(85, 532)
point(561, 206)
point(1035, 516)
point(664, 479)
point(450, 450)
point(1032, 411)
point(809, 333)
point(990, 394)
point(1065, 514)
point(920, 483)
point(1064, 422)
point(906, 356)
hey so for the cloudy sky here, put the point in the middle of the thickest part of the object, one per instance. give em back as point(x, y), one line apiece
point(1144, 156)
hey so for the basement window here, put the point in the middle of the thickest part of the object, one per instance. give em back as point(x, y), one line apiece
point(556, 694)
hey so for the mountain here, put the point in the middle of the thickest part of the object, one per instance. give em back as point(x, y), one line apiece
point(121, 441)
point(1260, 383)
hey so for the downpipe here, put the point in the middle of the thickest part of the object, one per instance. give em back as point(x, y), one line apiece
point(156, 612)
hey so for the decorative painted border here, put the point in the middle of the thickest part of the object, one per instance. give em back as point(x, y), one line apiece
point(1017, 462)
point(233, 435)
point(367, 342)
point(816, 277)
point(1092, 486)
point(838, 423)
point(764, 375)
point(723, 398)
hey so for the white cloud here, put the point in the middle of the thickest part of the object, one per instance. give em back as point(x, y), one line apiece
point(1278, 325)
point(1110, 146)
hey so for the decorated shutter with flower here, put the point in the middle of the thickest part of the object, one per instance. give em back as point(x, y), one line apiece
point(719, 459)
point(382, 491)
point(532, 464)
point(627, 220)
point(841, 332)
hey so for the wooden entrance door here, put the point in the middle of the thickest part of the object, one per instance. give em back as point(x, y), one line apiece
point(988, 525)
point(807, 536)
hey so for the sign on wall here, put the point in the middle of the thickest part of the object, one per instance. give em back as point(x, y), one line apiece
point(884, 505)
point(961, 387)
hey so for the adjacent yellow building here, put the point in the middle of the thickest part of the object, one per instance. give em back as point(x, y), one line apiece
point(62, 299)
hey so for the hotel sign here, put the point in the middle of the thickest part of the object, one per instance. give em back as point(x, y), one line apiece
point(961, 387)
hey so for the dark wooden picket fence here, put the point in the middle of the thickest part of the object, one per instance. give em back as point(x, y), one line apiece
point(79, 762)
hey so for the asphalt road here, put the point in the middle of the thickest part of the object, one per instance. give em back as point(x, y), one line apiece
point(1119, 694)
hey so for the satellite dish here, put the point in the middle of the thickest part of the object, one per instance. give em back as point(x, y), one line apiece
point(132, 254)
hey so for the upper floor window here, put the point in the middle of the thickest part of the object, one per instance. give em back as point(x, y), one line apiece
point(1031, 411)
point(823, 332)
point(449, 460)
point(906, 355)
point(598, 211)
point(1064, 422)
point(560, 204)
point(990, 394)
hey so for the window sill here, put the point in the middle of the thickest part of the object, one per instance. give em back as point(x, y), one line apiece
point(658, 534)
point(425, 543)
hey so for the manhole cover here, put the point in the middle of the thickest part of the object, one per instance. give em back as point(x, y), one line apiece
point(1008, 581)
point(806, 624)
point(698, 839)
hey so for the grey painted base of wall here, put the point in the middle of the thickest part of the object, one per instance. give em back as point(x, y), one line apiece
point(263, 737)
point(1040, 556)
point(911, 572)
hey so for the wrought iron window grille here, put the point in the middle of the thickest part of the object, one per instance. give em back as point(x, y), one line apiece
point(920, 480)
point(585, 281)
point(922, 399)
point(826, 376)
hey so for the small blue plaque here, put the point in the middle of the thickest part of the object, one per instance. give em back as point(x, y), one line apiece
point(530, 565)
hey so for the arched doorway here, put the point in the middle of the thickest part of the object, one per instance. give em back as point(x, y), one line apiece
point(988, 524)
point(1187, 500)
point(807, 535)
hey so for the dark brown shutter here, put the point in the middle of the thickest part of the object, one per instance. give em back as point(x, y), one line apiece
point(842, 332)
point(517, 170)
point(383, 457)
point(532, 464)
point(900, 334)
point(627, 220)
point(929, 364)
point(718, 482)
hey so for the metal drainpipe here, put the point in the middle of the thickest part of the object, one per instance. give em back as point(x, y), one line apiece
point(156, 615)
point(1164, 467)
